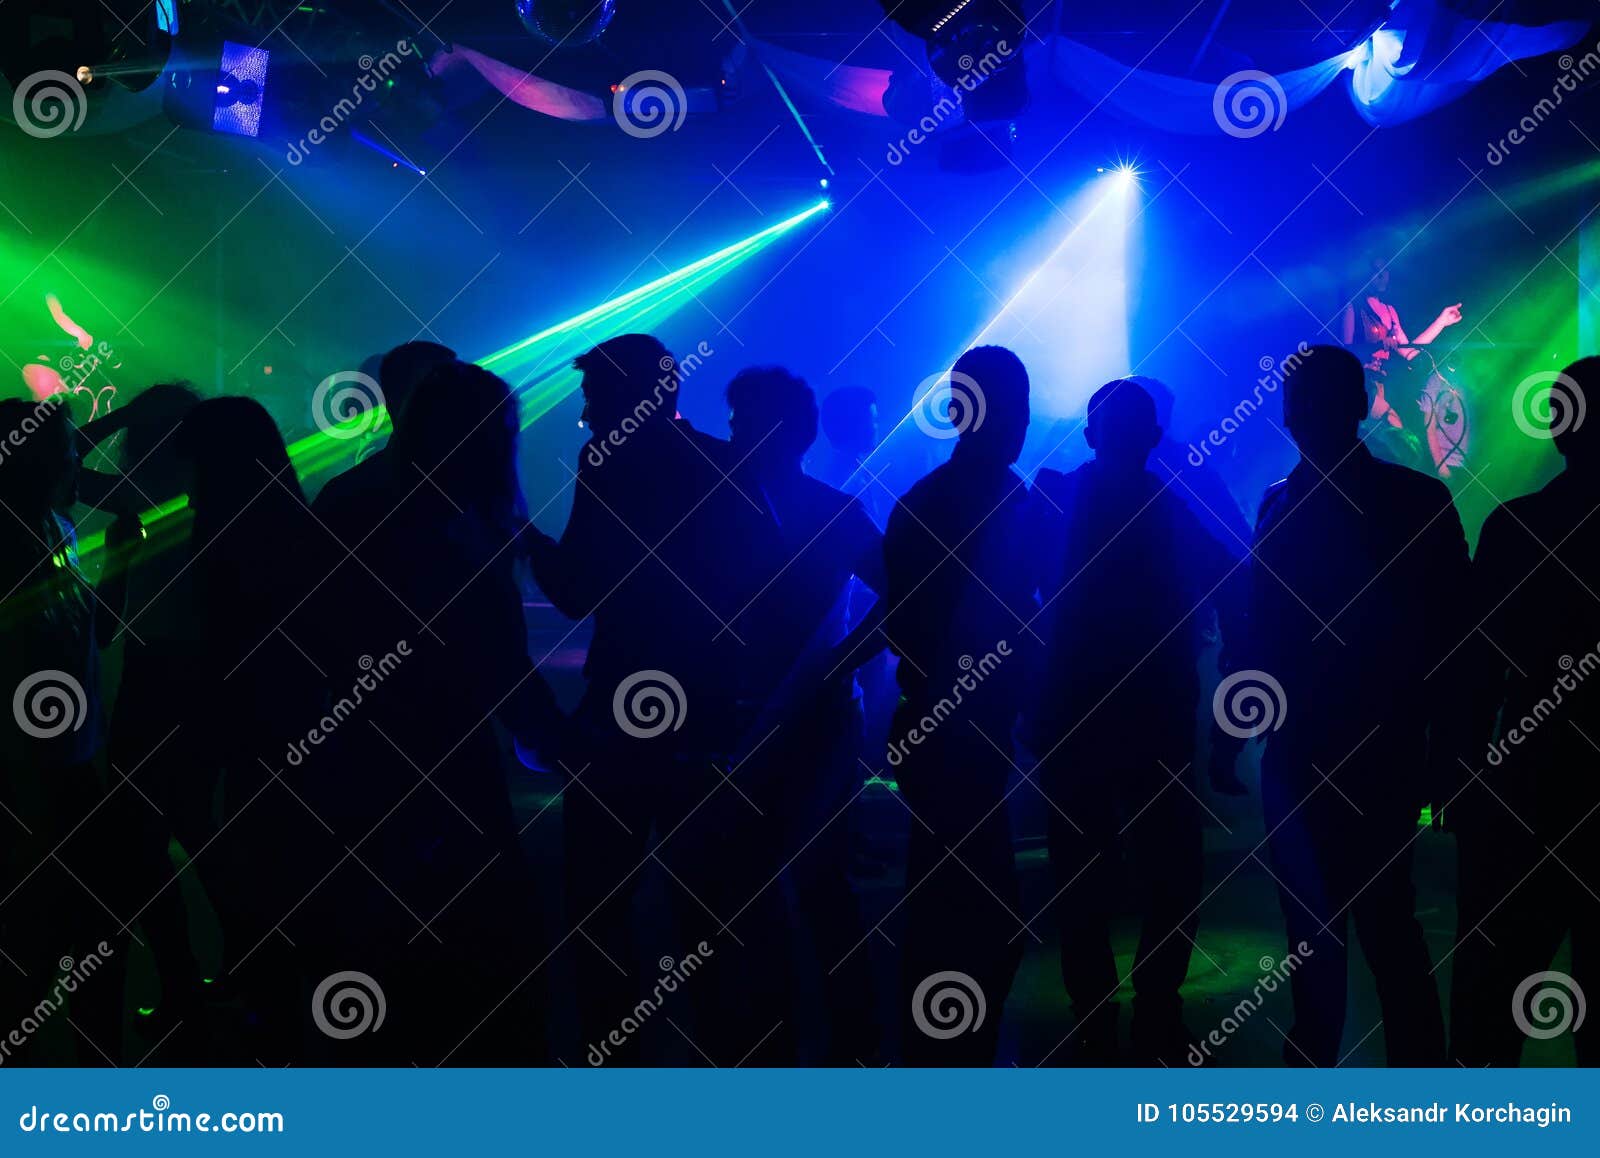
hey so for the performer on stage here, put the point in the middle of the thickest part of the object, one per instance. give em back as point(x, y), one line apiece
point(1437, 433)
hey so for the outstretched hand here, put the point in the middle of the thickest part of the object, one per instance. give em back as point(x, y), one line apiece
point(1450, 315)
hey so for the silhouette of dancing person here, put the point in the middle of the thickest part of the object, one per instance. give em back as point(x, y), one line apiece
point(1132, 581)
point(52, 623)
point(254, 557)
point(352, 503)
point(1401, 385)
point(811, 770)
point(433, 896)
point(1526, 822)
point(667, 554)
point(161, 646)
point(960, 553)
point(1359, 577)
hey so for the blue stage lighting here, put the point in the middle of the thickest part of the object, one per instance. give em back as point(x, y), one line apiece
point(241, 89)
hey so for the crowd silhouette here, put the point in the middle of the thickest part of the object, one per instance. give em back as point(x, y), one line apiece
point(322, 707)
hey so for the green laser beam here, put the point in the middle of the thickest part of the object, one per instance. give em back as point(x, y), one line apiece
point(537, 366)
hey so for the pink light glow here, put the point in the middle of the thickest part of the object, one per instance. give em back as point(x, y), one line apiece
point(83, 337)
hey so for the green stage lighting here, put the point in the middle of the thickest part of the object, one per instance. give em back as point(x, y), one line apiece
point(538, 366)
point(535, 365)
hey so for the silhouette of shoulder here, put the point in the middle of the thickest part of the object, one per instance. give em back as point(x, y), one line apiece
point(349, 493)
point(1424, 490)
point(928, 489)
point(828, 500)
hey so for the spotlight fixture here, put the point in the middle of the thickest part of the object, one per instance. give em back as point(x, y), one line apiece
point(124, 41)
point(975, 47)
point(241, 89)
point(217, 84)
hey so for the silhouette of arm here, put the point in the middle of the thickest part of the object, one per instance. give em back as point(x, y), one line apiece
point(910, 557)
point(866, 639)
point(573, 571)
point(487, 634)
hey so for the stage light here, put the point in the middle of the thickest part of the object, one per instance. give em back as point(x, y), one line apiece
point(1068, 321)
point(125, 41)
point(974, 46)
point(241, 89)
point(823, 183)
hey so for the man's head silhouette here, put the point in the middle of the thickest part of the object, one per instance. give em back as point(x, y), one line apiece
point(772, 416)
point(402, 370)
point(1577, 441)
point(630, 376)
point(1161, 393)
point(1324, 402)
point(1122, 426)
point(989, 403)
point(850, 420)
